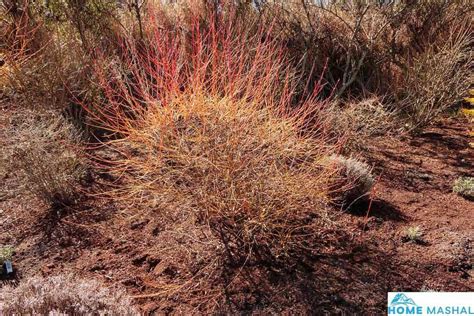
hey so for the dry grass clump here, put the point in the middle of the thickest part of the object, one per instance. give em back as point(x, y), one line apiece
point(355, 177)
point(360, 121)
point(44, 154)
point(64, 295)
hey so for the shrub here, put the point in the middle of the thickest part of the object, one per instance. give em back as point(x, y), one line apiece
point(367, 45)
point(238, 167)
point(435, 80)
point(48, 79)
point(64, 295)
point(91, 20)
point(413, 234)
point(464, 186)
point(355, 179)
point(347, 36)
point(44, 152)
point(359, 121)
point(51, 78)
point(47, 50)
point(206, 139)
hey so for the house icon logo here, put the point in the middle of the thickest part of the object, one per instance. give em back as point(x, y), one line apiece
point(404, 305)
point(430, 303)
point(402, 299)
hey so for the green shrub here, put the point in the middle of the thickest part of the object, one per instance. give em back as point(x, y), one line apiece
point(413, 234)
point(464, 186)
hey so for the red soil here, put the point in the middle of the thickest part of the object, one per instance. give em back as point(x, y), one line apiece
point(415, 189)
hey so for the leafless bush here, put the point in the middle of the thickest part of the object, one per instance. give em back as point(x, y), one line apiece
point(365, 44)
point(64, 295)
point(436, 79)
point(44, 154)
point(348, 37)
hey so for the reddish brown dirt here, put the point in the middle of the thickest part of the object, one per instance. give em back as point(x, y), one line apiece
point(415, 189)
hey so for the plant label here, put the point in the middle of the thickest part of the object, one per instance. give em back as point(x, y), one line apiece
point(8, 267)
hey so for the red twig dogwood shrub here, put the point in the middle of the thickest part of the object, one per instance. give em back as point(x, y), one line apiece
point(205, 133)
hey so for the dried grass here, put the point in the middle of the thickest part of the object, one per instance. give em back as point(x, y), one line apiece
point(64, 295)
point(359, 122)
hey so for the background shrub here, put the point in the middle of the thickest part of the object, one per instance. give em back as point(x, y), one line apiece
point(44, 154)
point(393, 50)
point(48, 50)
point(366, 45)
point(64, 295)
point(436, 79)
point(464, 186)
point(358, 122)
